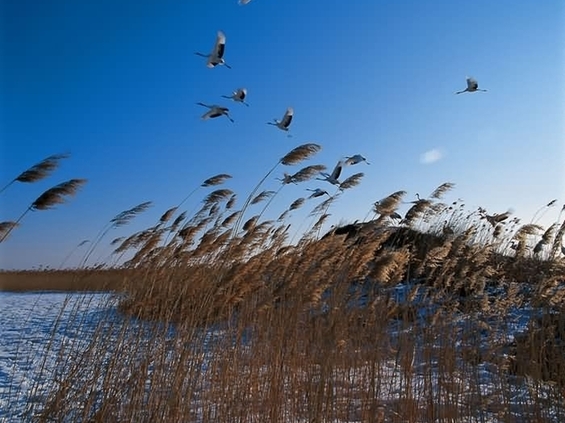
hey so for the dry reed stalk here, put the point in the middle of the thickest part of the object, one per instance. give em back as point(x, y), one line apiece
point(217, 196)
point(296, 204)
point(165, 217)
point(48, 200)
point(441, 190)
point(126, 216)
point(229, 220)
point(300, 153)
point(216, 180)
point(283, 216)
point(416, 211)
point(307, 173)
point(295, 156)
point(5, 229)
point(557, 246)
point(231, 202)
point(388, 205)
point(262, 196)
point(57, 194)
point(38, 171)
point(352, 181)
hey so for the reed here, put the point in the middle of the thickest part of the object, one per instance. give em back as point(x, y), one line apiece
point(223, 317)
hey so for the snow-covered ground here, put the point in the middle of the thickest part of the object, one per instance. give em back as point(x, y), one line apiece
point(28, 323)
point(36, 328)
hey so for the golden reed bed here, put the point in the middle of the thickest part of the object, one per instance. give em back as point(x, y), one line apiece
point(62, 280)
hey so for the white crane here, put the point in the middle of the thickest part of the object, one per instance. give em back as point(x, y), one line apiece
point(352, 160)
point(333, 178)
point(284, 123)
point(238, 96)
point(216, 57)
point(472, 86)
point(287, 179)
point(317, 192)
point(215, 111)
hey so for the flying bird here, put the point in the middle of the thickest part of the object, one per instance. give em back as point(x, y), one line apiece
point(472, 86)
point(317, 192)
point(352, 160)
point(216, 57)
point(238, 96)
point(333, 178)
point(215, 111)
point(243, 2)
point(287, 179)
point(284, 123)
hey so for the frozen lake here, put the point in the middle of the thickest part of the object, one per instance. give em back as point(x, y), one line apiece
point(28, 322)
point(38, 328)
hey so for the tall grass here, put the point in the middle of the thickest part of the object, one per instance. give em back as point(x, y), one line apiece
point(224, 319)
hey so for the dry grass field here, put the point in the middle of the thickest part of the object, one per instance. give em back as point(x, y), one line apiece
point(222, 319)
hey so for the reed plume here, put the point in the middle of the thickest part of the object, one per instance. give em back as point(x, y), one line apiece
point(557, 246)
point(38, 171)
point(307, 173)
point(231, 202)
point(6, 228)
point(297, 203)
point(295, 156)
point(300, 153)
point(216, 180)
point(165, 217)
point(388, 205)
point(262, 196)
point(124, 217)
point(48, 200)
point(217, 196)
point(352, 181)
point(442, 189)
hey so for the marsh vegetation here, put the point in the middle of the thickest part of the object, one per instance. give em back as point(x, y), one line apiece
point(442, 314)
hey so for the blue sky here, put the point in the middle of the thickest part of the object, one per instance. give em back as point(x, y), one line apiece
point(115, 85)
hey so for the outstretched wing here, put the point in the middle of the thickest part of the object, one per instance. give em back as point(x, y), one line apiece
point(337, 170)
point(287, 118)
point(220, 45)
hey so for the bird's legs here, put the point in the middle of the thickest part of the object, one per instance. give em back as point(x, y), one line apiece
point(205, 105)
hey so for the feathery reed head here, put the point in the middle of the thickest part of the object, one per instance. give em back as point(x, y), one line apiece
point(179, 219)
point(57, 194)
point(300, 153)
point(297, 203)
point(6, 228)
point(165, 217)
point(442, 189)
point(124, 217)
point(231, 202)
point(352, 181)
point(388, 205)
point(217, 196)
point(308, 173)
point(262, 196)
point(42, 169)
point(216, 180)
point(228, 221)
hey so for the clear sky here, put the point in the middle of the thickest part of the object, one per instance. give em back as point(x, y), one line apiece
point(114, 83)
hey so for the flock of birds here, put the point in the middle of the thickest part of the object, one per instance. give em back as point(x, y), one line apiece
point(216, 58)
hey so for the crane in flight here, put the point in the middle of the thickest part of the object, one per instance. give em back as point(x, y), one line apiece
point(216, 56)
point(215, 111)
point(472, 86)
point(238, 96)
